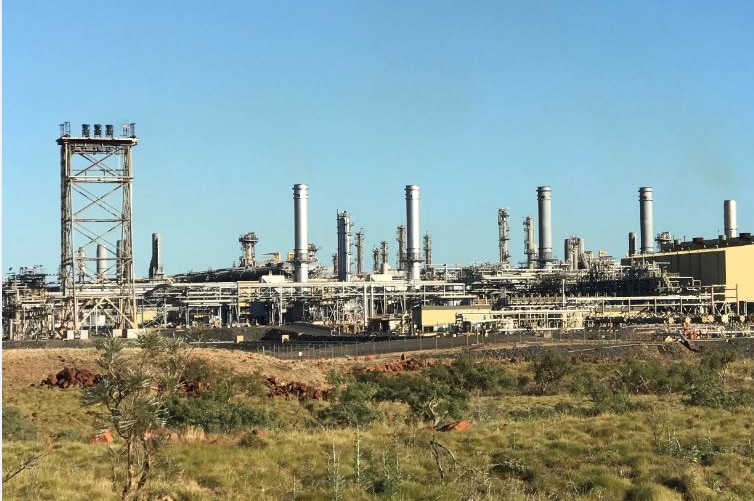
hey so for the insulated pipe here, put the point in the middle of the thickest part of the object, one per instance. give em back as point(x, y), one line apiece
point(632, 244)
point(101, 261)
point(645, 217)
point(300, 246)
point(413, 244)
point(731, 226)
point(544, 196)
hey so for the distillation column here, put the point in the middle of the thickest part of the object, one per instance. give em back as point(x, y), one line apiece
point(413, 245)
point(155, 266)
point(731, 226)
point(529, 248)
point(359, 252)
point(504, 238)
point(544, 197)
point(645, 220)
point(301, 246)
point(344, 247)
point(400, 237)
point(427, 250)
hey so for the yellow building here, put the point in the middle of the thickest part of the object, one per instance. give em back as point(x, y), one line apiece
point(432, 318)
point(732, 266)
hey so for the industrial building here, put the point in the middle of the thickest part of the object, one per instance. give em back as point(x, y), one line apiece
point(96, 291)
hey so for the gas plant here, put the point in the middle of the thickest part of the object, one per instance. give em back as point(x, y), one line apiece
point(662, 281)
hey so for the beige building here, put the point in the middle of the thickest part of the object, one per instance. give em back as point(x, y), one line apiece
point(732, 266)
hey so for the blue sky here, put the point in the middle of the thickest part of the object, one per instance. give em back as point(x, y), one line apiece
point(477, 102)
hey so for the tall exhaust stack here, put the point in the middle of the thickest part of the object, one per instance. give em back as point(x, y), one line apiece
point(645, 216)
point(301, 245)
point(544, 196)
point(344, 246)
point(731, 226)
point(155, 265)
point(413, 244)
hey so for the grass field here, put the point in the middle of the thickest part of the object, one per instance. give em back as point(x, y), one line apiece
point(619, 444)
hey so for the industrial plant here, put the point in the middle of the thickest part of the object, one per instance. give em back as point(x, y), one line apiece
point(661, 282)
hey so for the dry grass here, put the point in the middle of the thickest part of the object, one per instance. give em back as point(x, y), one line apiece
point(520, 447)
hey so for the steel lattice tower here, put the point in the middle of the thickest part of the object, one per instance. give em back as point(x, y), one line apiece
point(96, 244)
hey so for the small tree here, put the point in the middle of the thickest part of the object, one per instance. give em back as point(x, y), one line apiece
point(135, 389)
point(549, 369)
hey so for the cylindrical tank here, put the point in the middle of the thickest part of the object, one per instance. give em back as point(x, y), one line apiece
point(645, 219)
point(731, 226)
point(413, 244)
point(567, 251)
point(632, 244)
point(101, 261)
point(301, 244)
point(544, 196)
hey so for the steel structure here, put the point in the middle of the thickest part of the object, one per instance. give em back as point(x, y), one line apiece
point(400, 238)
point(248, 243)
point(95, 185)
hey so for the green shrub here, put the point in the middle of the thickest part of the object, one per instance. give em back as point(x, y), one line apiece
point(350, 403)
point(214, 411)
point(432, 395)
point(15, 426)
point(549, 369)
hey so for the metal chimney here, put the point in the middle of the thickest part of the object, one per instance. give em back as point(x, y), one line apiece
point(731, 226)
point(632, 244)
point(101, 262)
point(645, 217)
point(344, 246)
point(413, 244)
point(155, 265)
point(544, 196)
point(301, 245)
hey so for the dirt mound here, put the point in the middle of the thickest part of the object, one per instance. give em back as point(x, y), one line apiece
point(71, 376)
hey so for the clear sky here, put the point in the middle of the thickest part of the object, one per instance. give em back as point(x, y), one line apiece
point(477, 102)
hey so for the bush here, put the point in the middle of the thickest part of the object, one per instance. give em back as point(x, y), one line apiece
point(214, 415)
point(15, 426)
point(549, 369)
point(483, 377)
point(350, 403)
